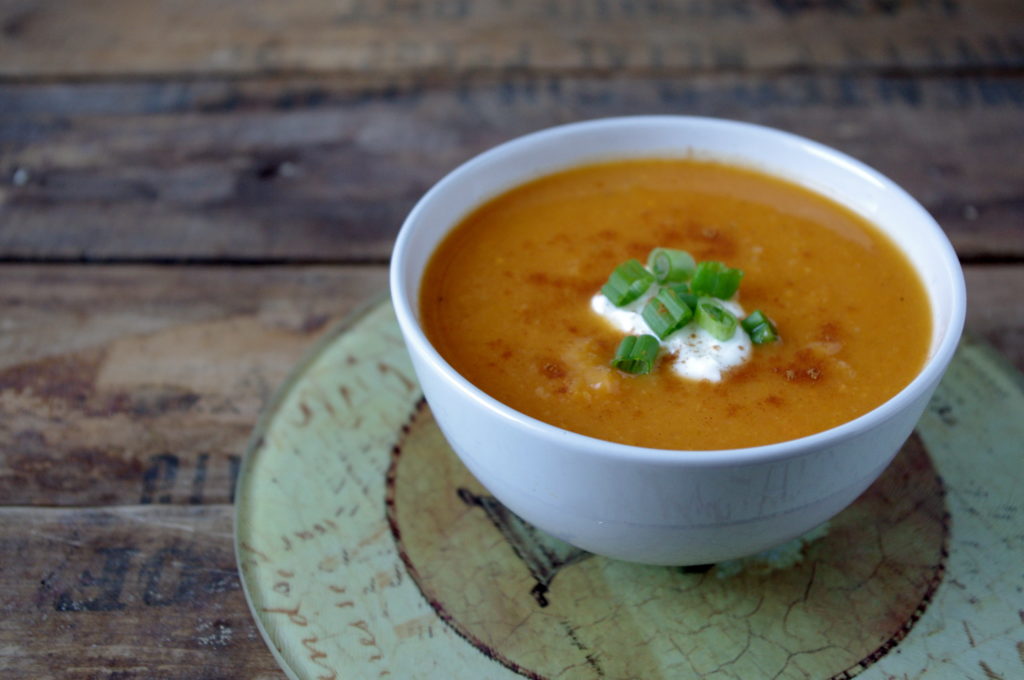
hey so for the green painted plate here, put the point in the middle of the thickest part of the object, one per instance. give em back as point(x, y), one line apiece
point(366, 550)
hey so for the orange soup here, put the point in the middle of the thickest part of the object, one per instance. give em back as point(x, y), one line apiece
point(506, 301)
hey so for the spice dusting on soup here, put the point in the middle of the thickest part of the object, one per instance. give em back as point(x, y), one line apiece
point(511, 300)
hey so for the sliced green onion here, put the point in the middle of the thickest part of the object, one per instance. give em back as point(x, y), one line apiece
point(665, 313)
point(671, 265)
point(716, 320)
point(636, 354)
point(760, 328)
point(683, 291)
point(628, 282)
point(715, 279)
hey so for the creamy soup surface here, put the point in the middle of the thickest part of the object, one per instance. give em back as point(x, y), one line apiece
point(506, 299)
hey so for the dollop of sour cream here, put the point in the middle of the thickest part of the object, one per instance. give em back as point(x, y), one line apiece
point(695, 353)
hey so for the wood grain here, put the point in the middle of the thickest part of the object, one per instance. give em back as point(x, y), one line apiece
point(238, 37)
point(127, 385)
point(123, 385)
point(325, 171)
point(126, 592)
point(995, 309)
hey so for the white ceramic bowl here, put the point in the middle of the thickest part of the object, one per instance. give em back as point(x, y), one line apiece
point(661, 506)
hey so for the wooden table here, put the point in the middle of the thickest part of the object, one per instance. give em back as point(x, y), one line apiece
point(191, 192)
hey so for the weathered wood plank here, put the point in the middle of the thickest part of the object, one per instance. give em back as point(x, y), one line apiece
point(995, 308)
point(124, 385)
point(128, 385)
point(133, 592)
point(321, 170)
point(115, 37)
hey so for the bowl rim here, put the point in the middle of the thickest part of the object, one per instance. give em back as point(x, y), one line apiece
point(926, 379)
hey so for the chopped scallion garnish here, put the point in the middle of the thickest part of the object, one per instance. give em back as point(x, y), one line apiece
point(665, 313)
point(636, 354)
point(683, 291)
point(715, 279)
point(669, 265)
point(628, 282)
point(760, 328)
point(716, 320)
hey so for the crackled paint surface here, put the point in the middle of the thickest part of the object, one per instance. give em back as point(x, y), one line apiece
point(821, 606)
point(367, 550)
